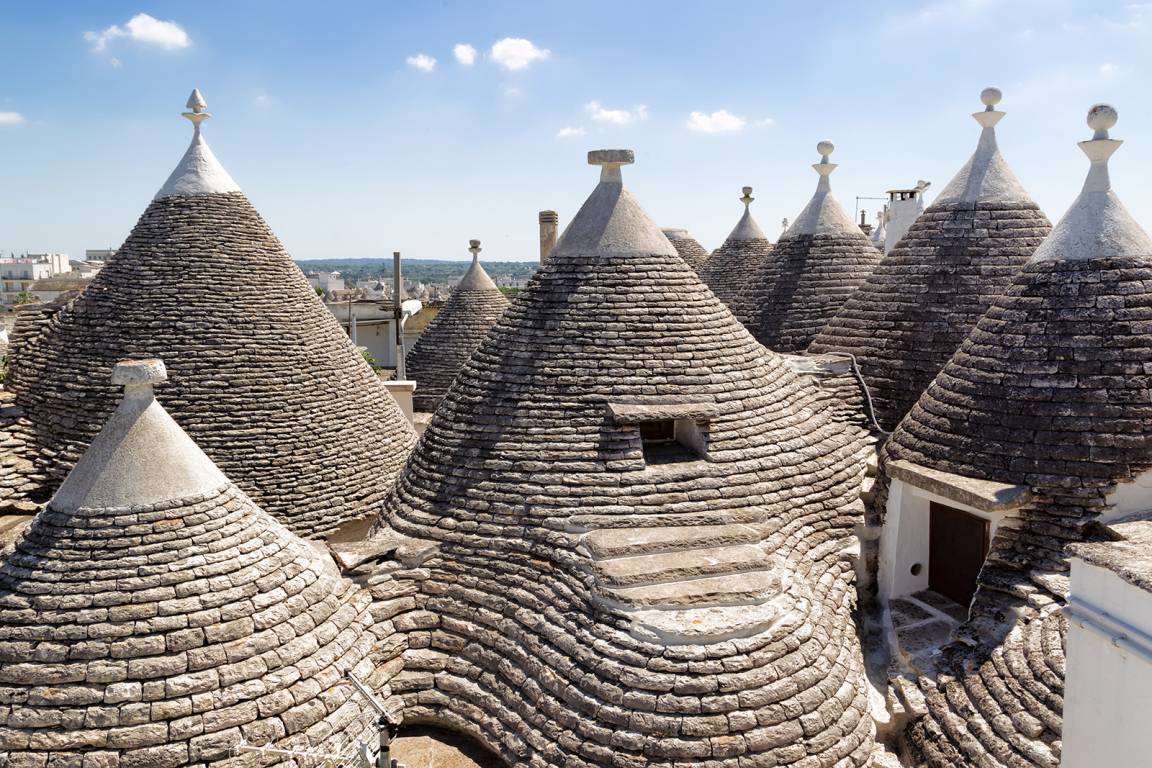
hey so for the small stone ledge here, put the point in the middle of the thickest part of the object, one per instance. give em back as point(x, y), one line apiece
point(1129, 556)
point(985, 495)
point(632, 410)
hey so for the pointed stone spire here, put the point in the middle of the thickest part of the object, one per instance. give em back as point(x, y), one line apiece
point(199, 172)
point(823, 214)
point(747, 228)
point(986, 176)
point(1097, 225)
point(141, 456)
point(611, 222)
point(476, 279)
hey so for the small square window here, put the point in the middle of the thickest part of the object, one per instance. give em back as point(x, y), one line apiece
point(662, 431)
point(671, 440)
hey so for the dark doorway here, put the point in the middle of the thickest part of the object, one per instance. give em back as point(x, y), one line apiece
point(957, 546)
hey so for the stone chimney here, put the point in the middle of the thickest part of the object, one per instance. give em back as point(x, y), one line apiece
point(549, 226)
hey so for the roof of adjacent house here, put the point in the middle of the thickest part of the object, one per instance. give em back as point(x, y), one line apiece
point(819, 262)
point(734, 264)
point(152, 614)
point(1048, 391)
point(261, 373)
point(707, 571)
point(447, 342)
point(922, 299)
point(687, 246)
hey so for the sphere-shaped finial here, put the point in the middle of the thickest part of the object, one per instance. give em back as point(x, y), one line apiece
point(474, 246)
point(991, 96)
point(1102, 117)
point(825, 148)
point(746, 198)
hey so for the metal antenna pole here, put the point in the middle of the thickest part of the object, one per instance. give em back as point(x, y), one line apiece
point(397, 287)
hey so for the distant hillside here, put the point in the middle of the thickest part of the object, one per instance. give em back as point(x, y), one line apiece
point(423, 270)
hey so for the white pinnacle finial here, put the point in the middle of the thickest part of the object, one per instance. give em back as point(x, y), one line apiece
point(610, 161)
point(1097, 225)
point(825, 166)
point(197, 107)
point(474, 249)
point(747, 198)
point(199, 172)
point(1101, 118)
point(1100, 147)
point(989, 97)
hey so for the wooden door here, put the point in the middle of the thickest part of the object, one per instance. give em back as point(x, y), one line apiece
point(957, 546)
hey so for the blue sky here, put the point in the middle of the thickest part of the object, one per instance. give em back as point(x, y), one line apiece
point(351, 145)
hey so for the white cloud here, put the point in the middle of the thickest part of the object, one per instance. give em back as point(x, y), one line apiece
point(767, 122)
point(616, 116)
point(569, 131)
point(516, 53)
point(1109, 69)
point(143, 29)
point(720, 121)
point(422, 62)
point(11, 118)
point(464, 53)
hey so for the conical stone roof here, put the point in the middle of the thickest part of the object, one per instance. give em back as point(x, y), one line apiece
point(152, 615)
point(1048, 391)
point(687, 246)
point(735, 263)
point(451, 337)
point(261, 374)
point(815, 266)
point(573, 582)
point(923, 298)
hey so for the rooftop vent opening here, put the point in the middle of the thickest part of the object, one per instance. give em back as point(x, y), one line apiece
point(670, 440)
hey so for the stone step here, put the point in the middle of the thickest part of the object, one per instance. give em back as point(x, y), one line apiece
point(622, 542)
point(871, 464)
point(664, 567)
point(592, 522)
point(731, 589)
point(868, 490)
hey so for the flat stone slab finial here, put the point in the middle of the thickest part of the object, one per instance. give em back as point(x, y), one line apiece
point(136, 372)
point(610, 161)
point(611, 157)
